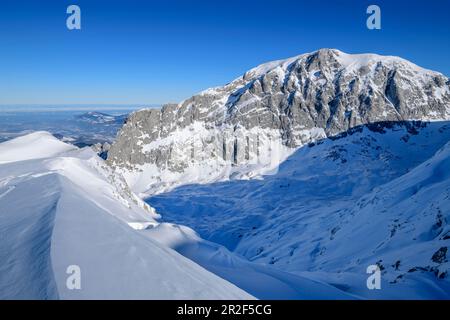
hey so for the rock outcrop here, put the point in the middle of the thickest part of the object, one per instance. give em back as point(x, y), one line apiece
point(247, 127)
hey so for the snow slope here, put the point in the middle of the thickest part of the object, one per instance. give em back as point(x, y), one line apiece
point(61, 206)
point(378, 196)
point(32, 146)
point(96, 118)
point(249, 126)
point(260, 280)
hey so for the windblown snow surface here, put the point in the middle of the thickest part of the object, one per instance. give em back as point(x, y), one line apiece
point(379, 194)
point(62, 206)
point(71, 209)
point(372, 196)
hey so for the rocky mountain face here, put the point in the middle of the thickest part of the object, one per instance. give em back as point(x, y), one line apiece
point(250, 125)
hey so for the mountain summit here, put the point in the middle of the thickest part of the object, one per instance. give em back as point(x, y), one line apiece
point(249, 126)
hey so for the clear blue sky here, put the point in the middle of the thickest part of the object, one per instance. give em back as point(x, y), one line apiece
point(145, 52)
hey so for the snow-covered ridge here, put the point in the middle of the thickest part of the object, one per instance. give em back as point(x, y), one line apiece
point(345, 60)
point(248, 127)
point(36, 145)
point(62, 206)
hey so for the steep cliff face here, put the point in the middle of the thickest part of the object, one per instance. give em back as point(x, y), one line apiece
point(247, 127)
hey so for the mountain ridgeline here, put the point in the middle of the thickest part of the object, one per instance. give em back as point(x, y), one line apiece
point(249, 126)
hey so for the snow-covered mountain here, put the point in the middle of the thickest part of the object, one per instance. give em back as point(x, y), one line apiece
point(32, 146)
point(62, 206)
point(334, 208)
point(69, 208)
point(96, 117)
point(251, 125)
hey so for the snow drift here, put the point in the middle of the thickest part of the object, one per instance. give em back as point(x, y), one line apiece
point(62, 206)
